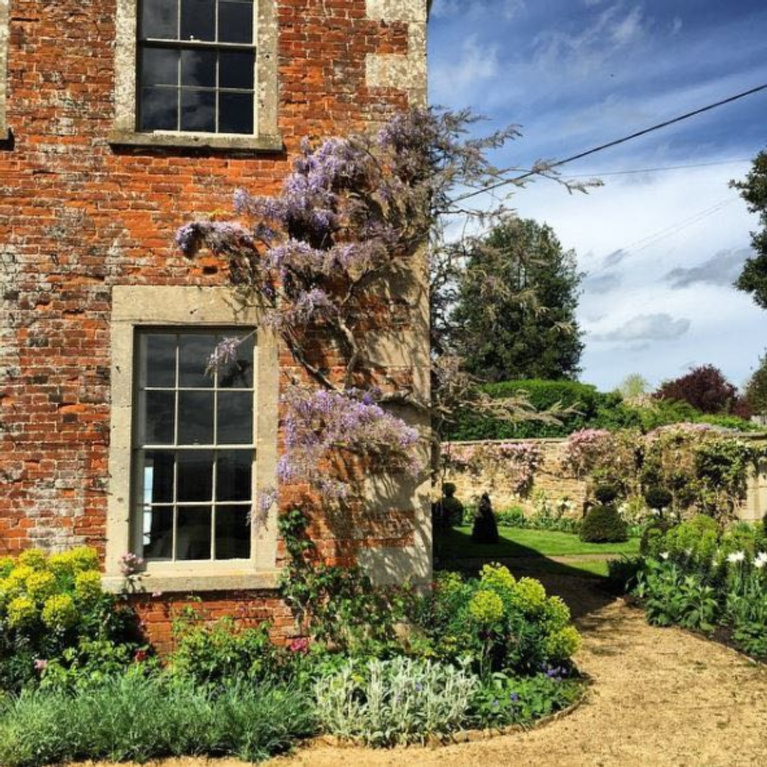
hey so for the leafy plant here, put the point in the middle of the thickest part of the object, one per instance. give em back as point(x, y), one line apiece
point(137, 718)
point(500, 623)
point(50, 605)
point(214, 655)
point(603, 524)
point(504, 700)
point(402, 700)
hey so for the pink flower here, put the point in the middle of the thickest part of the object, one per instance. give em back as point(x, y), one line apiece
point(41, 665)
point(300, 645)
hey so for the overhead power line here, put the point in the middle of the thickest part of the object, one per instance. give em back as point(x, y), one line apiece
point(658, 169)
point(616, 142)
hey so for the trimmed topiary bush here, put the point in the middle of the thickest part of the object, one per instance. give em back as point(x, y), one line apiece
point(606, 494)
point(603, 524)
point(658, 497)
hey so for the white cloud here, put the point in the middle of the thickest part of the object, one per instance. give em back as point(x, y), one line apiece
point(646, 327)
point(631, 232)
point(476, 62)
point(721, 269)
point(582, 51)
point(443, 9)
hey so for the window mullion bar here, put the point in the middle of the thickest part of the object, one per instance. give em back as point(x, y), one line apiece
point(175, 452)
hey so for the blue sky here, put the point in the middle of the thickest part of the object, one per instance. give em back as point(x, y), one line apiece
point(661, 248)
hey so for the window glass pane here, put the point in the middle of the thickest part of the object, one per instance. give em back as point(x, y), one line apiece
point(194, 351)
point(159, 417)
point(195, 418)
point(159, 66)
point(236, 69)
point(235, 418)
point(232, 532)
point(158, 109)
point(198, 20)
point(193, 535)
point(234, 475)
point(198, 110)
point(195, 475)
point(235, 114)
point(235, 22)
point(239, 374)
point(158, 359)
point(159, 19)
point(158, 476)
point(157, 532)
point(198, 68)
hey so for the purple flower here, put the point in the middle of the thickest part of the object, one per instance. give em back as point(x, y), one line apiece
point(514, 697)
point(130, 564)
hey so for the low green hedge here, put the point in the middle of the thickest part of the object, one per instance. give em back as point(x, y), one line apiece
point(591, 408)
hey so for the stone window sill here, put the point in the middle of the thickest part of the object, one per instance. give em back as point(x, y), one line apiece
point(185, 582)
point(198, 141)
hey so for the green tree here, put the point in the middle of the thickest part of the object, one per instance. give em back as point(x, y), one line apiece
point(633, 385)
point(515, 309)
point(756, 388)
point(753, 278)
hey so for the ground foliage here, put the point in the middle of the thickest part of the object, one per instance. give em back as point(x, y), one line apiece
point(700, 577)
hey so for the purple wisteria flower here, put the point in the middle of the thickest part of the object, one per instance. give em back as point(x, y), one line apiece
point(224, 354)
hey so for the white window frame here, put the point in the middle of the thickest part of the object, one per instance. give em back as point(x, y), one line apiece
point(180, 307)
point(125, 129)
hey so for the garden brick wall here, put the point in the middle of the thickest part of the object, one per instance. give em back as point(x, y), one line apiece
point(550, 478)
point(557, 482)
point(79, 216)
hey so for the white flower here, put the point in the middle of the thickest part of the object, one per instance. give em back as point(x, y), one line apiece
point(760, 560)
point(688, 552)
point(664, 555)
point(655, 512)
point(737, 556)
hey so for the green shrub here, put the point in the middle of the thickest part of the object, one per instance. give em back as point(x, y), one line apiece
point(603, 524)
point(136, 719)
point(696, 538)
point(214, 654)
point(658, 498)
point(500, 623)
point(589, 408)
point(606, 494)
point(51, 604)
point(504, 700)
point(622, 572)
point(402, 700)
point(513, 517)
point(672, 596)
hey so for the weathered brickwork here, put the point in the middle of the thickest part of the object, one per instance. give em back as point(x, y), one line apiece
point(79, 215)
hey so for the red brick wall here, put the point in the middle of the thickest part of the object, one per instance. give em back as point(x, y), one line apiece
point(78, 216)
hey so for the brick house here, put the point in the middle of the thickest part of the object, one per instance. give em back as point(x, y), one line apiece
point(120, 120)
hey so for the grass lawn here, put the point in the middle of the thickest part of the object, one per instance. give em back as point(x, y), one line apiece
point(531, 550)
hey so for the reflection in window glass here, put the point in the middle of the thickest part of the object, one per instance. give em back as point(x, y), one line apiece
point(159, 19)
point(232, 532)
point(235, 22)
point(194, 532)
point(198, 20)
point(194, 495)
point(197, 66)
